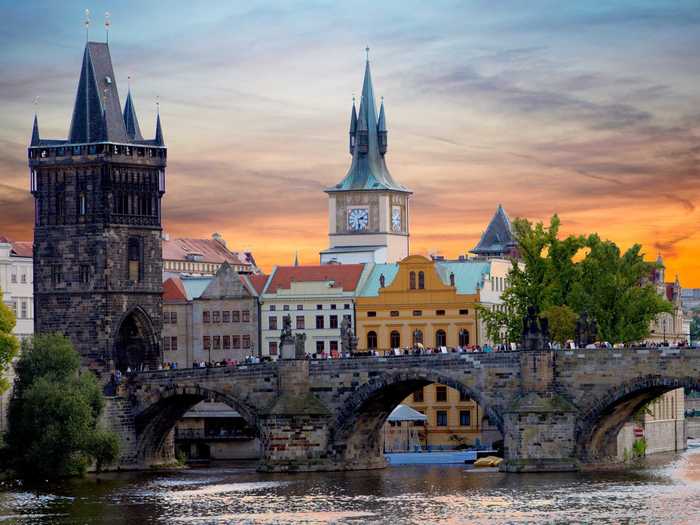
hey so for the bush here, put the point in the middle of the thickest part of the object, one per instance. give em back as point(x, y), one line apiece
point(640, 448)
point(54, 412)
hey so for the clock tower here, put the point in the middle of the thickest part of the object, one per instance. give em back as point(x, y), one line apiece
point(368, 210)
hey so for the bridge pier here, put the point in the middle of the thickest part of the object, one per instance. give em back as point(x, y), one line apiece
point(539, 425)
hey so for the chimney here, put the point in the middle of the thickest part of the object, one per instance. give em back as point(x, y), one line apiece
point(218, 238)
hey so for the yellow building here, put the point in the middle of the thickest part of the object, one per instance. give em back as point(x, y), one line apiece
point(419, 301)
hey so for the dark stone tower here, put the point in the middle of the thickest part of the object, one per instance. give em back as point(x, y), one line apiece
point(97, 235)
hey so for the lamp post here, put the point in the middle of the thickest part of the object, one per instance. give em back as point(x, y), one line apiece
point(664, 331)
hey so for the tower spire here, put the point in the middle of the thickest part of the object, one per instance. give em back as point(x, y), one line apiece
point(130, 120)
point(159, 130)
point(36, 140)
point(353, 126)
point(381, 130)
point(107, 24)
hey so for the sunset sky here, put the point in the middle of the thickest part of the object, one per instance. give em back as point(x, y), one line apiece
point(587, 109)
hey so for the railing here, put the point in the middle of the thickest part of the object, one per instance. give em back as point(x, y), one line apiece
point(202, 434)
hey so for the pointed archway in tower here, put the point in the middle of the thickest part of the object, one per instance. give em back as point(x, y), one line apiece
point(135, 343)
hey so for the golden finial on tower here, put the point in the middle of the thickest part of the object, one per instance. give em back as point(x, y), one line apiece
point(87, 25)
point(367, 53)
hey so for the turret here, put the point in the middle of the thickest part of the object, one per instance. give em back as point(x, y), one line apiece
point(159, 133)
point(381, 130)
point(36, 141)
point(353, 127)
point(131, 122)
point(363, 129)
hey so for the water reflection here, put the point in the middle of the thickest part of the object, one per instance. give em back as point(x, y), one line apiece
point(666, 491)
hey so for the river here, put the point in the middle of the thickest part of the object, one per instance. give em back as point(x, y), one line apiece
point(665, 490)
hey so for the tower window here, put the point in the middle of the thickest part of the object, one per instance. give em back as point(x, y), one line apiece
point(82, 204)
point(135, 261)
point(56, 274)
point(84, 273)
point(412, 280)
point(421, 280)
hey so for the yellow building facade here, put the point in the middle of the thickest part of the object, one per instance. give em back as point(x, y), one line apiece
point(414, 302)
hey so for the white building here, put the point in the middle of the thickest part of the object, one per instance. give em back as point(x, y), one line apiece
point(16, 283)
point(316, 298)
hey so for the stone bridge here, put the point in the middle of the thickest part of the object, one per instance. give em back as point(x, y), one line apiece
point(555, 409)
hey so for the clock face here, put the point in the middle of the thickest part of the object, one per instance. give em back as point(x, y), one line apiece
point(358, 219)
point(396, 219)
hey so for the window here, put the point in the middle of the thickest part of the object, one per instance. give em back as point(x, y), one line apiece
point(206, 342)
point(82, 204)
point(272, 347)
point(441, 394)
point(226, 316)
point(319, 322)
point(421, 281)
point(412, 280)
point(273, 307)
point(346, 307)
point(272, 323)
point(464, 312)
point(395, 338)
point(418, 396)
point(205, 316)
point(245, 341)
point(56, 274)
point(439, 312)
point(245, 316)
point(235, 341)
point(300, 322)
point(135, 259)
point(333, 307)
point(285, 308)
point(371, 314)
point(173, 344)
point(333, 321)
point(463, 396)
point(417, 313)
point(334, 346)
point(372, 340)
point(23, 311)
point(173, 317)
point(440, 338)
point(166, 344)
point(320, 347)
point(319, 307)
point(216, 340)
point(226, 342)
point(216, 316)
point(23, 278)
point(13, 278)
point(166, 317)
point(417, 337)
point(300, 307)
point(235, 316)
point(465, 418)
point(464, 337)
point(84, 273)
point(394, 313)
point(441, 418)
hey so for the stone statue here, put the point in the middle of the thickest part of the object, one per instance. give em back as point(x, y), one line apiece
point(535, 335)
point(286, 334)
point(348, 340)
point(586, 330)
point(299, 346)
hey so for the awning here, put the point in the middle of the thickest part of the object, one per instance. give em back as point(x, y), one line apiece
point(406, 413)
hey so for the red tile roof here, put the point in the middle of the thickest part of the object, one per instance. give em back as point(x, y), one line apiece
point(173, 290)
point(212, 251)
point(19, 248)
point(258, 281)
point(345, 276)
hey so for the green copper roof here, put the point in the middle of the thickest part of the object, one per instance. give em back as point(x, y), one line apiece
point(371, 287)
point(468, 274)
point(368, 170)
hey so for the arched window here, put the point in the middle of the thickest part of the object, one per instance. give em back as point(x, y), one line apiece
point(440, 338)
point(417, 337)
point(372, 340)
point(421, 280)
point(412, 280)
point(463, 337)
point(82, 204)
point(395, 339)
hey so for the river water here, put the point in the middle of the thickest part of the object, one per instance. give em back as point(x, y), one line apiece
point(666, 490)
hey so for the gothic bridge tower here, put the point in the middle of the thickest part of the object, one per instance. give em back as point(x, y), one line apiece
point(97, 231)
point(368, 210)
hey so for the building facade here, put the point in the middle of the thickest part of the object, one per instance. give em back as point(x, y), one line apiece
point(211, 319)
point(16, 283)
point(203, 256)
point(419, 302)
point(316, 298)
point(97, 232)
point(671, 328)
point(368, 211)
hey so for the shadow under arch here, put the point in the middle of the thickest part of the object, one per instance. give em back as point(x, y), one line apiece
point(135, 341)
point(599, 424)
point(356, 428)
point(155, 422)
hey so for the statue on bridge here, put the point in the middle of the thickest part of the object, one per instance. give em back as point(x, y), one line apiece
point(535, 334)
point(348, 339)
point(586, 330)
point(299, 346)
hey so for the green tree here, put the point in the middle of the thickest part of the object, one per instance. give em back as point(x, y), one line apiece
point(695, 326)
point(562, 323)
point(8, 343)
point(54, 412)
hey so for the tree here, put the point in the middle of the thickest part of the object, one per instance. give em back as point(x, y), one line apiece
point(54, 412)
point(562, 323)
point(695, 326)
point(8, 343)
point(582, 273)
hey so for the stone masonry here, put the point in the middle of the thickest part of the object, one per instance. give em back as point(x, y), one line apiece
point(555, 409)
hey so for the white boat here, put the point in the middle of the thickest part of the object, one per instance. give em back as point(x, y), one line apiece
point(446, 457)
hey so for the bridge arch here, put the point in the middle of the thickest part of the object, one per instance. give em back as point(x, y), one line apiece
point(602, 419)
point(356, 429)
point(155, 421)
